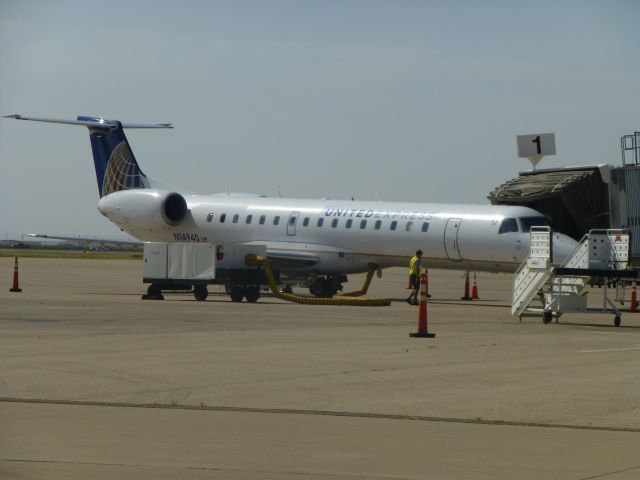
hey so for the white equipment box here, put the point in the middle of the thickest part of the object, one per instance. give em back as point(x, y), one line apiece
point(179, 261)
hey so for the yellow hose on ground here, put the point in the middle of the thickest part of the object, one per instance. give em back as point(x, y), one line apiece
point(365, 287)
point(340, 300)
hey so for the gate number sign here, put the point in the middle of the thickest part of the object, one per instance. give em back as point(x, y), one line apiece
point(536, 145)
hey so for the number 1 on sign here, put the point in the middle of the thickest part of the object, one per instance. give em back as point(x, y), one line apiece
point(537, 142)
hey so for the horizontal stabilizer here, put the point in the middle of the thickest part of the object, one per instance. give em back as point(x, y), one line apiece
point(116, 166)
point(91, 122)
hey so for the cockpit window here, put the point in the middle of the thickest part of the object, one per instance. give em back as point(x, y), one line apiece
point(508, 225)
point(528, 222)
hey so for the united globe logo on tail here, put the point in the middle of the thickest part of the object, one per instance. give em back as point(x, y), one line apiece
point(116, 166)
point(122, 172)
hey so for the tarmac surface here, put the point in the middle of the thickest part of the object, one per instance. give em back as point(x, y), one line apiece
point(96, 383)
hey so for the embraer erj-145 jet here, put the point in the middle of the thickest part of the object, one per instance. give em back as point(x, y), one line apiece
point(314, 243)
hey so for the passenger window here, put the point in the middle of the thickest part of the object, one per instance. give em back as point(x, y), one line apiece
point(409, 226)
point(349, 223)
point(223, 217)
point(320, 222)
point(292, 221)
point(363, 224)
point(276, 220)
point(248, 219)
point(378, 224)
point(508, 225)
point(209, 217)
point(393, 225)
point(263, 218)
point(236, 217)
point(334, 223)
point(425, 226)
point(305, 222)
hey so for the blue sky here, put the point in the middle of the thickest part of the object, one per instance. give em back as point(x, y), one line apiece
point(407, 101)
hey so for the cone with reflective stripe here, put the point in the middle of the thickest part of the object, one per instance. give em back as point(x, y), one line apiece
point(634, 299)
point(466, 288)
point(423, 331)
point(15, 277)
point(474, 290)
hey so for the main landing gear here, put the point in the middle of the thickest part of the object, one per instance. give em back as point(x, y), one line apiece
point(325, 287)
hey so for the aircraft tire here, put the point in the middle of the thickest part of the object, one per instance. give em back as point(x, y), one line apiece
point(547, 316)
point(323, 288)
point(314, 288)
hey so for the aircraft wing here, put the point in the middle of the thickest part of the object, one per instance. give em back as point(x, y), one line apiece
point(88, 240)
point(280, 254)
point(292, 259)
point(287, 254)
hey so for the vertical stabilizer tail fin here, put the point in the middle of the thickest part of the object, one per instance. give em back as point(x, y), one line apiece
point(116, 166)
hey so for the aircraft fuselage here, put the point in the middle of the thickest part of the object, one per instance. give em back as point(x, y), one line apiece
point(347, 236)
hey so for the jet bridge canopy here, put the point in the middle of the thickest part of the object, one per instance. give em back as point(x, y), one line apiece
point(575, 200)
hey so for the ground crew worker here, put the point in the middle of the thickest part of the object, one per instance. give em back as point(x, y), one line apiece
point(415, 271)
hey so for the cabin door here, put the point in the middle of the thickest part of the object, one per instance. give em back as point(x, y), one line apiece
point(451, 245)
point(291, 223)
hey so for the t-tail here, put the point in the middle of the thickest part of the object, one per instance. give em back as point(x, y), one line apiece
point(116, 166)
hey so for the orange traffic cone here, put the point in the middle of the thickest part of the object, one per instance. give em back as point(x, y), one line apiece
point(634, 299)
point(423, 331)
point(474, 290)
point(466, 288)
point(15, 277)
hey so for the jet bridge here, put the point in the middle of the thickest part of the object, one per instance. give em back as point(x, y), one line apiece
point(561, 289)
point(575, 199)
point(579, 199)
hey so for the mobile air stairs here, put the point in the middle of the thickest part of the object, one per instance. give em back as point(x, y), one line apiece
point(601, 254)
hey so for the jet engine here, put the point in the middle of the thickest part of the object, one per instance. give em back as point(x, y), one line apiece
point(144, 208)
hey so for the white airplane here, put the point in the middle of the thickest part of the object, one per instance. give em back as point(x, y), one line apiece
point(313, 243)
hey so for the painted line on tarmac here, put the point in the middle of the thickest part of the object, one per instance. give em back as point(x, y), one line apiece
point(630, 469)
point(610, 350)
point(328, 413)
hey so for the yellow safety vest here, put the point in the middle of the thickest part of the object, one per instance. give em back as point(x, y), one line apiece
point(415, 266)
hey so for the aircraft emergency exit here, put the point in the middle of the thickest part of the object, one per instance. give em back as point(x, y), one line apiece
point(314, 243)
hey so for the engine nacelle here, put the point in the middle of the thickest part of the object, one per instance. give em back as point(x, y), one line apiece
point(144, 208)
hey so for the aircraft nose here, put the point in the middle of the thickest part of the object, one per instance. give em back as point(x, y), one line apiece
point(563, 247)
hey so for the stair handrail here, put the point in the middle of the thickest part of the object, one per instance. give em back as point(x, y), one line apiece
point(584, 238)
